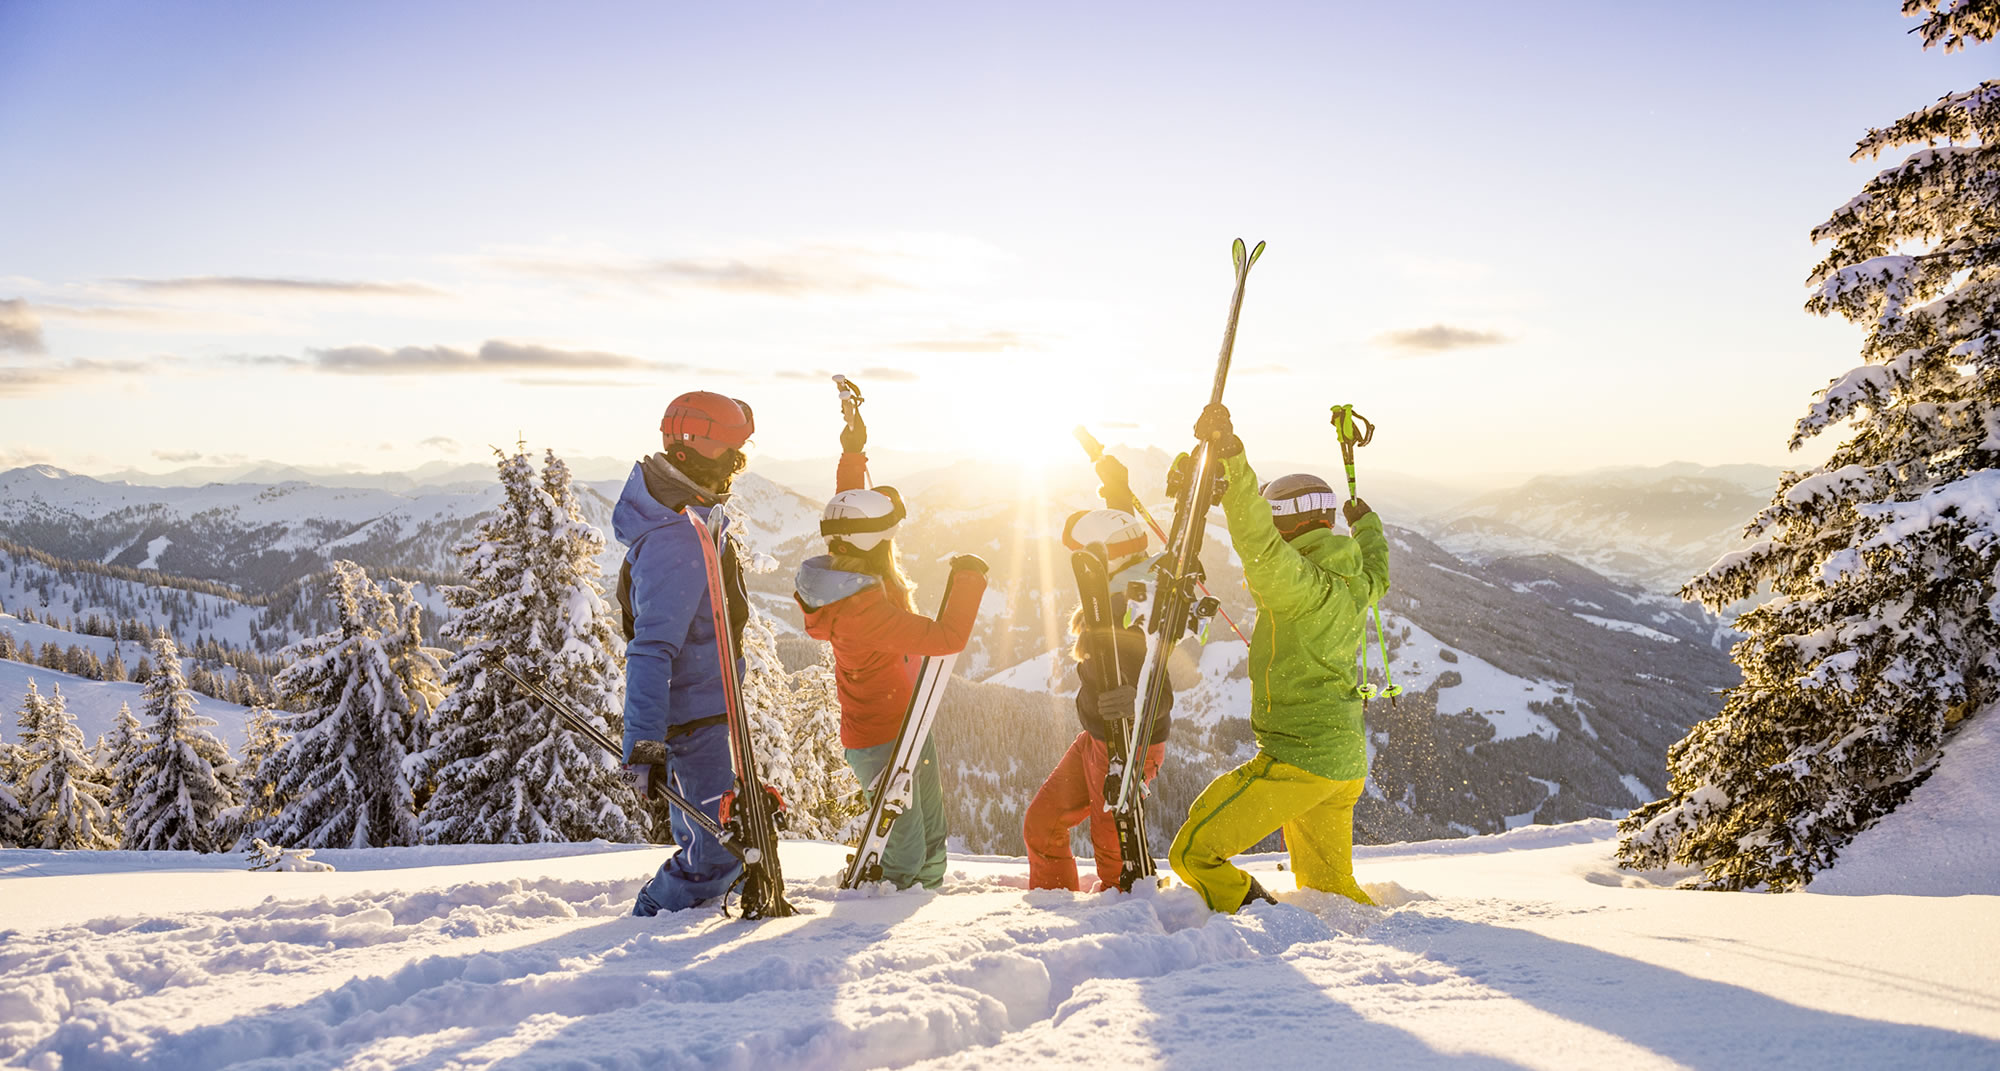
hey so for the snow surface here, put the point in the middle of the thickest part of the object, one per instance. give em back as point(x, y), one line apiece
point(1633, 627)
point(1526, 949)
point(1945, 839)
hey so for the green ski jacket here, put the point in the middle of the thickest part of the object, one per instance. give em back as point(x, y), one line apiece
point(1311, 594)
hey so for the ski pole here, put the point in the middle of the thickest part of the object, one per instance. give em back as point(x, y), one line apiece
point(1353, 429)
point(597, 736)
point(1095, 450)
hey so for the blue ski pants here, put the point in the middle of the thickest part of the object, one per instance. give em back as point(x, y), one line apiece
point(915, 852)
point(699, 768)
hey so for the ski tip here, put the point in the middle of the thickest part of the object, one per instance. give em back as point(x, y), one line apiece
point(1257, 252)
point(1090, 444)
point(1236, 253)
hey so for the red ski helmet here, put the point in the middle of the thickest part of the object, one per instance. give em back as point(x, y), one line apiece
point(701, 414)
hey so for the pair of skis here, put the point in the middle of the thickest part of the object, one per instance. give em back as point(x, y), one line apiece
point(896, 787)
point(1177, 607)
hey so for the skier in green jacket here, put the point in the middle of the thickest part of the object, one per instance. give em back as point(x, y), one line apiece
point(1312, 587)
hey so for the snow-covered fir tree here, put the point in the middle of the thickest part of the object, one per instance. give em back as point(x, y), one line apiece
point(124, 750)
point(1884, 626)
point(505, 768)
point(363, 693)
point(60, 790)
point(264, 737)
point(826, 798)
point(767, 698)
point(184, 780)
point(13, 816)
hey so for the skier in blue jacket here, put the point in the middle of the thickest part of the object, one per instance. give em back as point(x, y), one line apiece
point(676, 722)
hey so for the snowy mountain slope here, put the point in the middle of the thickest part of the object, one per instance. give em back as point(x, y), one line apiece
point(1521, 950)
point(95, 704)
point(1535, 690)
point(1653, 527)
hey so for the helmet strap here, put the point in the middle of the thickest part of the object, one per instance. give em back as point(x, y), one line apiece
point(715, 473)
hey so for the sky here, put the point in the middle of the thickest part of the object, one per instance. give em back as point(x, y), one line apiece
point(1523, 238)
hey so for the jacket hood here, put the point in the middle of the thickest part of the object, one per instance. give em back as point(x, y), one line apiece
point(653, 497)
point(821, 585)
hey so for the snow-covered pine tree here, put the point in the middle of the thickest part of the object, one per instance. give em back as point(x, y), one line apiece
point(123, 751)
point(767, 700)
point(13, 816)
point(1885, 625)
point(264, 737)
point(505, 769)
point(185, 780)
point(826, 799)
point(64, 800)
point(362, 694)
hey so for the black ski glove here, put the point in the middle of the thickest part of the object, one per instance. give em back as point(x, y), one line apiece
point(969, 563)
point(1118, 704)
point(1116, 489)
point(1213, 426)
point(648, 767)
point(854, 437)
point(1354, 509)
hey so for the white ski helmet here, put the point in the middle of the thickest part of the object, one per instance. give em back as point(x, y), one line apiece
point(862, 518)
point(1120, 533)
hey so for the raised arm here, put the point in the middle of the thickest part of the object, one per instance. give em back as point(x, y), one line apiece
point(891, 628)
point(1278, 575)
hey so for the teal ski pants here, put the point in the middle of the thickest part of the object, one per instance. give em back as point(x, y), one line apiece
point(915, 852)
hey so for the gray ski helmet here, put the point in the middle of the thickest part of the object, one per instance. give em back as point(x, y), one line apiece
point(1300, 501)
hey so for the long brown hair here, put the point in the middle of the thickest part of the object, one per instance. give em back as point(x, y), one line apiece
point(878, 561)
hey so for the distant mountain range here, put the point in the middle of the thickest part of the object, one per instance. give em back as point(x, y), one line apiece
point(1545, 667)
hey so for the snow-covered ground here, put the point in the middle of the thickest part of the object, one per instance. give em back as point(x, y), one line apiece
point(1522, 950)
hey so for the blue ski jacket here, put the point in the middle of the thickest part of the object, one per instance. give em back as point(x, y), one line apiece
point(673, 666)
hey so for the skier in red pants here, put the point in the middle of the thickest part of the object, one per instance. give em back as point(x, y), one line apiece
point(1074, 791)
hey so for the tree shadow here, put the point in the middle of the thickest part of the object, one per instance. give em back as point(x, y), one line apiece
point(1697, 1022)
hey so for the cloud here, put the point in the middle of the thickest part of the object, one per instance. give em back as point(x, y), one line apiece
point(887, 375)
point(990, 342)
point(14, 459)
point(815, 270)
point(178, 457)
point(20, 328)
point(443, 443)
point(555, 381)
point(267, 359)
point(266, 285)
point(493, 356)
point(1437, 338)
point(17, 381)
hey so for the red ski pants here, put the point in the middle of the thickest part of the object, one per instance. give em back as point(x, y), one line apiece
point(1073, 793)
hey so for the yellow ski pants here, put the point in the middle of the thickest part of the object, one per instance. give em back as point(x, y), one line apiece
point(1242, 806)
